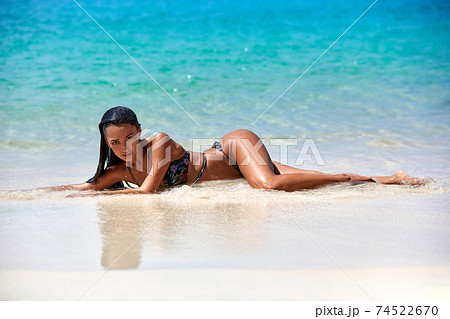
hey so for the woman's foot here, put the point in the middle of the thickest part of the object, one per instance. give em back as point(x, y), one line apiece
point(402, 178)
point(396, 178)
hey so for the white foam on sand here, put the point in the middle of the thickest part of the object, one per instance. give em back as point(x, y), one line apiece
point(240, 191)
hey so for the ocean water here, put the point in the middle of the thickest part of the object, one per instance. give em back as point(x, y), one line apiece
point(376, 102)
point(380, 93)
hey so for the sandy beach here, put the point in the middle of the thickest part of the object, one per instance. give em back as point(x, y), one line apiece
point(245, 245)
point(395, 283)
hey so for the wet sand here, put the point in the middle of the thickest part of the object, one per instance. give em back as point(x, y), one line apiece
point(394, 283)
point(190, 244)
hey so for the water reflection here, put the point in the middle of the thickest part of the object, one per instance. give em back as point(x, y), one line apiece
point(194, 233)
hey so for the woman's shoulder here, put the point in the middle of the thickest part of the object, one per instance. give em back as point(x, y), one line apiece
point(158, 139)
point(161, 139)
point(156, 136)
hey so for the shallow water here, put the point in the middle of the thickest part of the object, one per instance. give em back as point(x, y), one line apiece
point(383, 85)
point(377, 102)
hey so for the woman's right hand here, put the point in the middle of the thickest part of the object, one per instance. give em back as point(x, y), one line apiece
point(58, 188)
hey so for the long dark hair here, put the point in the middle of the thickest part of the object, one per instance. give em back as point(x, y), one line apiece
point(114, 116)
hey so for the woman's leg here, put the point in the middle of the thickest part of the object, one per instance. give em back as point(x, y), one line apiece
point(286, 169)
point(393, 179)
point(247, 149)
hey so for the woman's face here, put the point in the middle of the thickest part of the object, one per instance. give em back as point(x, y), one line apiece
point(121, 138)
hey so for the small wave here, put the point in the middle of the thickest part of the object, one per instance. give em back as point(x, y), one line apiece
point(27, 145)
point(32, 195)
point(240, 191)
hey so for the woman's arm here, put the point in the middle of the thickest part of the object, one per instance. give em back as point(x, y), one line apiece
point(81, 187)
point(122, 191)
point(160, 146)
point(110, 176)
point(158, 160)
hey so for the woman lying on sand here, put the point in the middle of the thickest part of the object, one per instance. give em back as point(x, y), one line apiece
point(158, 161)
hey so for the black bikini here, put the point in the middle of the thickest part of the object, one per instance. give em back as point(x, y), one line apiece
point(177, 172)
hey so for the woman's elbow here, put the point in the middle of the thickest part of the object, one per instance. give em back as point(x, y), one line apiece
point(161, 135)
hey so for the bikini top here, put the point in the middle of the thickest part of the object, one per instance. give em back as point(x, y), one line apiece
point(177, 172)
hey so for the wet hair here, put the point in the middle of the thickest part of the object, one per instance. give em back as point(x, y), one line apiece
point(114, 116)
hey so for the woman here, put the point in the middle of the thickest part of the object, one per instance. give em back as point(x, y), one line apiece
point(158, 161)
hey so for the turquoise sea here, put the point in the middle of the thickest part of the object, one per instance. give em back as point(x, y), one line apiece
point(376, 102)
point(381, 90)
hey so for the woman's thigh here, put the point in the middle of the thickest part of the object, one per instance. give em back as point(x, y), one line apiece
point(286, 169)
point(252, 157)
